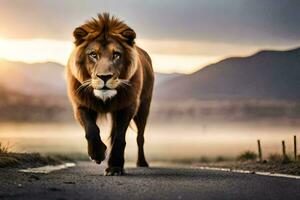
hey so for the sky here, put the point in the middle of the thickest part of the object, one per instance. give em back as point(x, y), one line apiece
point(180, 36)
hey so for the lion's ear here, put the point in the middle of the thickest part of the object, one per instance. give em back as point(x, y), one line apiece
point(130, 35)
point(79, 33)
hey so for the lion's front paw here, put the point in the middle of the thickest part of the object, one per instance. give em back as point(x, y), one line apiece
point(96, 151)
point(114, 171)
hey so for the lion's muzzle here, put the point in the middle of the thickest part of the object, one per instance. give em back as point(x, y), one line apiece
point(104, 86)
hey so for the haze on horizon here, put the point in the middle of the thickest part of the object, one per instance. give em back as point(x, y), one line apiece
point(180, 36)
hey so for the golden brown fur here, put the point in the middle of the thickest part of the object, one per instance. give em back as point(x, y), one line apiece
point(108, 73)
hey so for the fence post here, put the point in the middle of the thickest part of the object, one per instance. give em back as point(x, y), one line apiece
point(259, 151)
point(295, 147)
point(283, 150)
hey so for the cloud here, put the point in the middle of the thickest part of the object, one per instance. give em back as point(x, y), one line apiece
point(230, 21)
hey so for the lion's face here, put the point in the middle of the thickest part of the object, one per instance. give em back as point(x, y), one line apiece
point(105, 57)
point(105, 63)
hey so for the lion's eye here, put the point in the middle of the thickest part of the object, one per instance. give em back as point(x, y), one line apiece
point(116, 55)
point(93, 55)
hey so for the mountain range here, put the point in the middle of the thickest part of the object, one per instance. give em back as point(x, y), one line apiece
point(44, 79)
point(38, 79)
point(265, 75)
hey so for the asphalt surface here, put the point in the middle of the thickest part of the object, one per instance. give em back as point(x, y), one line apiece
point(86, 181)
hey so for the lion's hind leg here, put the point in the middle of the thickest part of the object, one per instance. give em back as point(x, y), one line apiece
point(140, 120)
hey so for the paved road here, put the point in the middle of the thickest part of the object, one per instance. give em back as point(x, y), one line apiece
point(85, 181)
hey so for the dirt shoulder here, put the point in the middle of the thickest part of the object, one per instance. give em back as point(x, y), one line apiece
point(23, 160)
point(292, 168)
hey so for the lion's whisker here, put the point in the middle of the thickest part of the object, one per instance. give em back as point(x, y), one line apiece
point(85, 84)
point(87, 81)
point(124, 82)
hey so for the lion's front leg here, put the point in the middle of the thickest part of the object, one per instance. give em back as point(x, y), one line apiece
point(121, 120)
point(96, 148)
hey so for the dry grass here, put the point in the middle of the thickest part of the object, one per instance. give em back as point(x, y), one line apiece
point(12, 159)
point(277, 158)
point(247, 155)
point(29, 159)
point(275, 163)
point(4, 148)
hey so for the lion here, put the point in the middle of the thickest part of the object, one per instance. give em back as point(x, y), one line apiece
point(107, 73)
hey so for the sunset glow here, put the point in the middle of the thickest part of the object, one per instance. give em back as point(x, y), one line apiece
point(35, 50)
point(42, 50)
point(167, 56)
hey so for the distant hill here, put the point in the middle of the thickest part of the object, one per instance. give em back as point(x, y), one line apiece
point(33, 92)
point(40, 79)
point(265, 75)
point(37, 79)
point(161, 78)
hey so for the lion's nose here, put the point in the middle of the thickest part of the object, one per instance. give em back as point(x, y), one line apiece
point(105, 78)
